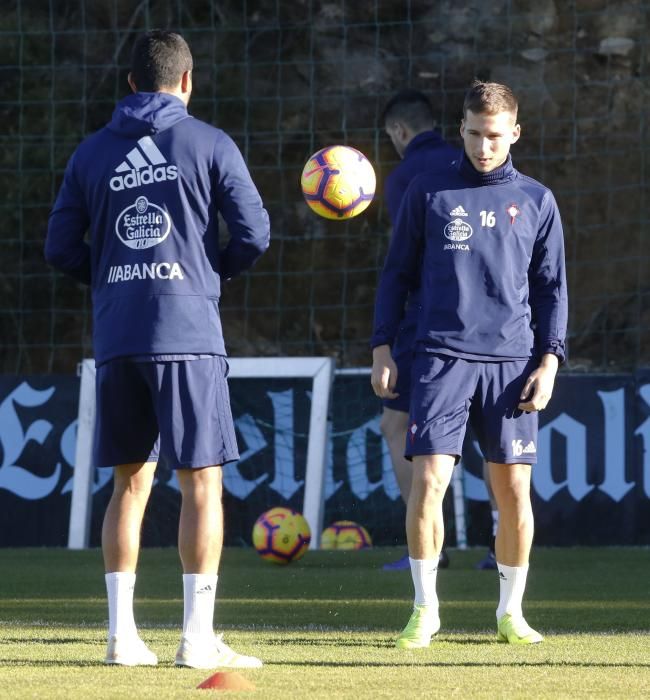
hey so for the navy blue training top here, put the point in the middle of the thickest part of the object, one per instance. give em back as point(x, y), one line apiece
point(426, 151)
point(488, 249)
point(149, 187)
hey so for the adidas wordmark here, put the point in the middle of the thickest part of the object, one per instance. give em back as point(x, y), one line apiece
point(143, 165)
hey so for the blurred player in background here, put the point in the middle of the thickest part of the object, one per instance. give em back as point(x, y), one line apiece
point(148, 188)
point(409, 122)
point(487, 244)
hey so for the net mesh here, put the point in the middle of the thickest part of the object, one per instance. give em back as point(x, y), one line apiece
point(285, 79)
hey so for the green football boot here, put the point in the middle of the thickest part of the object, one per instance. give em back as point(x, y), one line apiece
point(515, 630)
point(424, 623)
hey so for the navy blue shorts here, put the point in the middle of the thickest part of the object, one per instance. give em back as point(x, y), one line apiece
point(402, 351)
point(449, 391)
point(175, 412)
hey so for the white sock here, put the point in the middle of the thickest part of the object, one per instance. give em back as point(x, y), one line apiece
point(424, 573)
point(119, 589)
point(198, 610)
point(512, 583)
point(495, 522)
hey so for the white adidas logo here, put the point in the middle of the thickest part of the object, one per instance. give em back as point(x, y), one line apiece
point(143, 166)
point(518, 448)
point(458, 211)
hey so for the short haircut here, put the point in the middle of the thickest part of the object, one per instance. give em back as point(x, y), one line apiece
point(489, 98)
point(159, 59)
point(411, 107)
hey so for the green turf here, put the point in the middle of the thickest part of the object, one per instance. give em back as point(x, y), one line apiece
point(325, 627)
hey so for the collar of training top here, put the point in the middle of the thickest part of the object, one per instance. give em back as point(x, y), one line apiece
point(147, 113)
point(504, 173)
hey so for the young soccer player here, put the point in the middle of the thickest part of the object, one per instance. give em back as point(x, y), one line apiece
point(409, 122)
point(486, 243)
point(148, 188)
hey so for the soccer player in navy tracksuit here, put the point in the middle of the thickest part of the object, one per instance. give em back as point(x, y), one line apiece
point(148, 188)
point(408, 120)
point(487, 244)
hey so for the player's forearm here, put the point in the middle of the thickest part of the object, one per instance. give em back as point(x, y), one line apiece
point(389, 310)
point(76, 266)
point(242, 253)
point(242, 209)
point(65, 247)
point(393, 290)
point(550, 328)
point(548, 295)
point(69, 254)
point(549, 306)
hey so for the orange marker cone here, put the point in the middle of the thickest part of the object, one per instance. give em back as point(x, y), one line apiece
point(229, 680)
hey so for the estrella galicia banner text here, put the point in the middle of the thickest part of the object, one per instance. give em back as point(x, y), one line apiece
point(591, 485)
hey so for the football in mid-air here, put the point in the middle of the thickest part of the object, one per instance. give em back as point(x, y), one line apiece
point(345, 534)
point(281, 535)
point(338, 182)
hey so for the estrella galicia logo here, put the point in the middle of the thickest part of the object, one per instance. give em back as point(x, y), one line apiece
point(458, 230)
point(143, 224)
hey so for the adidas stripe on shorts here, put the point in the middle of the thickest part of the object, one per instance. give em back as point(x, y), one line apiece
point(447, 392)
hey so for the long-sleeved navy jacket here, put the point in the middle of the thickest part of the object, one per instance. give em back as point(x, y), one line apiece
point(488, 249)
point(148, 188)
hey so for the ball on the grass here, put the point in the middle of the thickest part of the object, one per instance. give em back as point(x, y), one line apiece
point(345, 534)
point(281, 535)
point(338, 182)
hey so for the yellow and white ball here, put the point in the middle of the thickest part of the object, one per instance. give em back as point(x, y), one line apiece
point(338, 182)
point(345, 534)
point(281, 535)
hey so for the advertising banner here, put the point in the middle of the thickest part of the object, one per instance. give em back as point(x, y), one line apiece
point(591, 485)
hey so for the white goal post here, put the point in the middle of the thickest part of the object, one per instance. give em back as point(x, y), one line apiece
point(319, 369)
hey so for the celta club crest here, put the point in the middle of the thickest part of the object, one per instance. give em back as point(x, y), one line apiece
point(513, 212)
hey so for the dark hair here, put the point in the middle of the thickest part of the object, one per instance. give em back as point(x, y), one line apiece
point(489, 98)
point(411, 107)
point(159, 59)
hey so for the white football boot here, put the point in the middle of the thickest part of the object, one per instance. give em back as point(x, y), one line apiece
point(129, 651)
point(212, 653)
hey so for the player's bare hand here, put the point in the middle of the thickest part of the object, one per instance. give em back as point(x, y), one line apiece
point(538, 388)
point(384, 373)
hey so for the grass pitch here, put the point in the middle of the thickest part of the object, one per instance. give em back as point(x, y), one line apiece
point(325, 627)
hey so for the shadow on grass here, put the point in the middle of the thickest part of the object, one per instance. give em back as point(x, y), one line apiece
point(328, 642)
point(57, 642)
point(352, 664)
point(461, 664)
point(56, 664)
